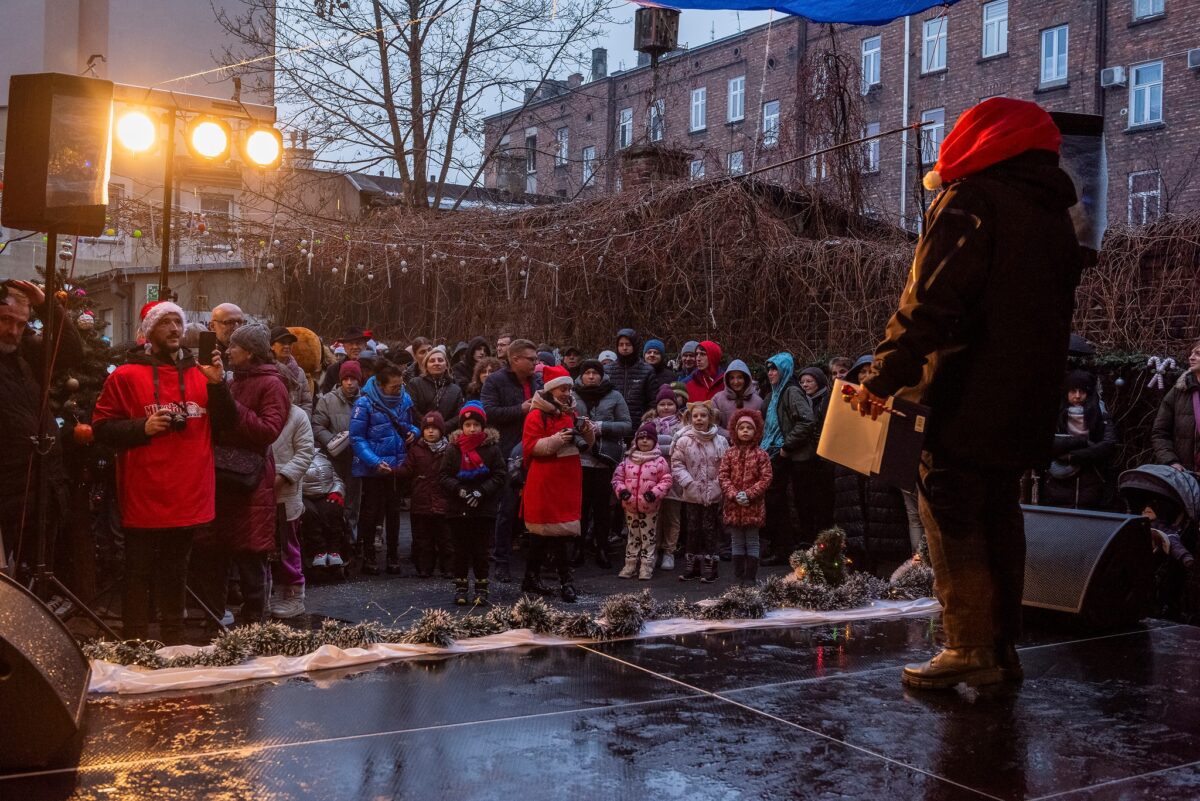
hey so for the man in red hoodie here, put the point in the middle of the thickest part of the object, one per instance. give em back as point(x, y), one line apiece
point(707, 379)
point(159, 410)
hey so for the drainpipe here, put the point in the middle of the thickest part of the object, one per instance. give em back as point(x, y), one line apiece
point(904, 135)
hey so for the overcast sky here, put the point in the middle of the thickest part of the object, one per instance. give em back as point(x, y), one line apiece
point(695, 28)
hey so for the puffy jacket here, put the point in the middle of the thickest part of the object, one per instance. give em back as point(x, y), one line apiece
point(727, 401)
point(695, 462)
point(745, 467)
point(422, 470)
point(440, 395)
point(661, 375)
point(985, 318)
point(502, 397)
point(321, 479)
point(490, 485)
point(797, 422)
point(612, 413)
point(246, 521)
point(632, 377)
point(1174, 432)
point(640, 477)
point(378, 430)
point(331, 416)
point(873, 516)
point(293, 451)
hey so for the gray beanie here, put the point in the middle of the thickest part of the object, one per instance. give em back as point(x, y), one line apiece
point(691, 346)
point(256, 340)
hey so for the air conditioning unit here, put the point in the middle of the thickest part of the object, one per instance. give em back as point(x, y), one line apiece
point(1194, 58)
point(1112, 76)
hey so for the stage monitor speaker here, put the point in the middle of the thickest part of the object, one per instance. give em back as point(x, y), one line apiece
point(43, 681)
point(1095, 565)
point(57, 153)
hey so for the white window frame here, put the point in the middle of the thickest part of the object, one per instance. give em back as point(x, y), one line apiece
point(1055, 50)
point(624, 128)
point(735, 162)
point(871, 148)
point(995, 28)
point(1138, 200)
point(588, 157)
point(818, 169)
point(770, 120)
point(696, 169)
point(931, 137)
point(736, 107)
point(656, 122)
point(871, 62)
point(933, 44)
point(562, 155)
point(699, 115)
point(1145, 9)
point(1146, 93)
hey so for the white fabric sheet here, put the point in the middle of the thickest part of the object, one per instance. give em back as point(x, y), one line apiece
point(110, 678)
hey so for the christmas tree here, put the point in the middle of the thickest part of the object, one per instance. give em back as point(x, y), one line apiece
point(825, 562)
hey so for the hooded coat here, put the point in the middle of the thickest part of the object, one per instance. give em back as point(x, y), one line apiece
point(1174, 435)
point(745, 467)
point(695, 461)
point(985, 318)
point(632, 377)
point(791, 413)
point(464, 369)
point(489, 485)
point(820, 399)
point(331, 416)
point(378, 428)
point(246, 521)
point(704, 384)
point(727, 401)
point(293, 452)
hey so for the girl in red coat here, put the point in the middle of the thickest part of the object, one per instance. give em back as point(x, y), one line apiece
point(745, 475)
point(641, 481)
point(553, 496)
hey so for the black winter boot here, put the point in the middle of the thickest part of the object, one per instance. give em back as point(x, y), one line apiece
point(370, 563)
point(460, 592)
point(481, 593)
point(751, 571)
point(739, 567)
point(709, 574)
point(691, 568)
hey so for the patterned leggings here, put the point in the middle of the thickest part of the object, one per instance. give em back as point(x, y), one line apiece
point(643, 535)
point(702, 526)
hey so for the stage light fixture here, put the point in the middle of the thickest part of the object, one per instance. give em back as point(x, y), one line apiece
point(136, 131)
point(209, 138)
point(263, 147)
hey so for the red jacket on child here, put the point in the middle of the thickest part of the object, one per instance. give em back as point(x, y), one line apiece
point(745, 467)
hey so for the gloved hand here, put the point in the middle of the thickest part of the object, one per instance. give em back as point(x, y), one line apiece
point(742, 498)
point(336, 497)
point(464, 493)
point(624, 494)
point(474, 498)
point(649, 496)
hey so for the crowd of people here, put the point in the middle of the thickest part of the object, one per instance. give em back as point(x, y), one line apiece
point(239, 472)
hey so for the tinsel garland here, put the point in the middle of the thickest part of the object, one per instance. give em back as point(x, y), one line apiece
point(621, 615)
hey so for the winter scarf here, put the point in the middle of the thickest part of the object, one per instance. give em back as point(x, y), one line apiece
point(1077, 421)
point(471, 466)
point(437, 447)
point(642, 457)
point(593, 395)
point(772, 435)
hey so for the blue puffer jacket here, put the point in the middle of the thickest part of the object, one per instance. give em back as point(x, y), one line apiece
point(378, 426)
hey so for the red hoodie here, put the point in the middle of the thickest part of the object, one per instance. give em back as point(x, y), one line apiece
point(704, 385)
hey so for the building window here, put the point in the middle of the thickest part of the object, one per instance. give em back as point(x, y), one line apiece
point(563, 154)
point(770, 118)
point(871, 50)
point(654, 123)
point(696, 169)
point(818, 170)
point(1054, 55)
point(737, 98)
point(1145, 197)
point(1147, 8)
point(871, 148)
point(933, 130)
point(219, 205)
point(589, 164)
point(531, 163)
point(933, 48)
point(735, 162)
point(625, 129)
point(699, 119)
point(995, 28)
point(1146, 94)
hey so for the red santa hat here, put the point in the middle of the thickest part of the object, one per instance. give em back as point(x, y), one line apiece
point(556, 377)
point(988, 133)
point(155, 311)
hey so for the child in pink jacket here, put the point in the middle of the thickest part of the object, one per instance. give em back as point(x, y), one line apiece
point(641, 481)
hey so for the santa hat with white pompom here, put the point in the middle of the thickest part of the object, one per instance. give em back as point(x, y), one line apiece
point(991, 132)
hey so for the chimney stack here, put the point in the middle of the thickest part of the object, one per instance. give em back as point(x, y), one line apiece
point(528, 94)
point(643, 59)
point(574, 80)
point(599, 63)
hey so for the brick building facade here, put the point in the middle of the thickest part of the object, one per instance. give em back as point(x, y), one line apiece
point(759, 97)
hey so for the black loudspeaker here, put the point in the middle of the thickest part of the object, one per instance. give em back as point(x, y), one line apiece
point(1096, 566)
point(57, 152)
point(43, 680)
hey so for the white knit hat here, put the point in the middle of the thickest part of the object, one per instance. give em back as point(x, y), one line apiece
point(152, 313)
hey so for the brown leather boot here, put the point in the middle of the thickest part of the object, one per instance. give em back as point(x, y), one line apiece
point(974, 667)
point(1009, 662)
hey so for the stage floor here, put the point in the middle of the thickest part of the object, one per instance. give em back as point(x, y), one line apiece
point(794, 713)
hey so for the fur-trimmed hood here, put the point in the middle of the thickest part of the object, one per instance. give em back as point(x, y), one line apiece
point(491, 436)
point(754, 417)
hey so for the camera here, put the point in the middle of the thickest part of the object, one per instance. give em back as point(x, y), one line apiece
point(178, 421)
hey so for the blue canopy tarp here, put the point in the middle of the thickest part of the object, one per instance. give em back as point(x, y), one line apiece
point(859, 12)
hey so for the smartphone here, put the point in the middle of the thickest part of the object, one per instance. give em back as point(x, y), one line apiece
point(208, 343)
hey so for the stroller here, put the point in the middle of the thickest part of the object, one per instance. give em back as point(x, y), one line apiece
point(1171, 499)
point(326, 539)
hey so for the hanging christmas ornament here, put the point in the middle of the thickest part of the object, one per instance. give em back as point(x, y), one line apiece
point(1120, 382)
point(370, 276)
point(403, 266)
point(112, 368)
point(60, 296)
point(201, 227)
point(83, 434)
point(110, 231)
point(86, 321)
point(1161, 365)
point(359, 266)
point(72, 384)
point(462, 262)
point(65, 254)
point(137, 233)
point(270, 265)
point(303, 251)
point(335, 270)
point(81, 292)
point(303, 243)
point(276, 243)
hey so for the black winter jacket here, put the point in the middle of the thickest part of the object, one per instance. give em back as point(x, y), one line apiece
point(632, 377)
point(873, 516)
point(985, 319)
point(435, 395)
point(490, 485)
point(502, 398)
point(1174, 432)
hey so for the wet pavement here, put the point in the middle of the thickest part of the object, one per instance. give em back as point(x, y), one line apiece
point(770, 713)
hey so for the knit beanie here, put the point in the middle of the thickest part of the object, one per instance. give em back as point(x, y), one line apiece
point(556, 377)
point(255, 339)
point(350, 369)
point(473, 410)
point(434, 419)
point(647, 429)
point(654, 344)
point(591, 364)
point(989, 133)
point(607, 354)
point(153, 312)
point(818, 375)
point(665, 392)
point(689, 347)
